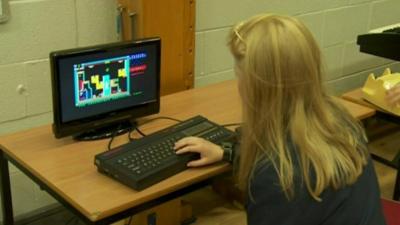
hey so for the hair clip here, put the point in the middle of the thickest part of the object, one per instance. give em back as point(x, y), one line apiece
point(237, 32)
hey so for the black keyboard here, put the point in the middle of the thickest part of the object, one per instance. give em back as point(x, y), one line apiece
point(151, 159)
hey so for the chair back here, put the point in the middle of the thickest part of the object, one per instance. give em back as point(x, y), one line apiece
point(391, 211)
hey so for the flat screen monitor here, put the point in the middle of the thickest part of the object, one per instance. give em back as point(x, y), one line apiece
point(100, 90)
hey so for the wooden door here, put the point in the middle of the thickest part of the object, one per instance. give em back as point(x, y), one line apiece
point(173, 21)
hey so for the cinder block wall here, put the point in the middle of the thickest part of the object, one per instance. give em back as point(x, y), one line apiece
point(334, 23)
point(40, 26)
point(36, 28)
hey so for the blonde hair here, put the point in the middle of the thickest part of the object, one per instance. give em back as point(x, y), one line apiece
point(280, 82)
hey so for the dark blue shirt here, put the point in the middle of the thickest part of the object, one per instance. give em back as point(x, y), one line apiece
point(356, 204)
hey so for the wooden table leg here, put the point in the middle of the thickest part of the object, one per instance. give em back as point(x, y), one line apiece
point(5, 191)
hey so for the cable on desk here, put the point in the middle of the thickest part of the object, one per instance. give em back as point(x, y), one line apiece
point(113, 136)
point(160, 117)
point(152, 119)
point(136, 127)
point(231, 124)
point(133, 128)
point(140, 132)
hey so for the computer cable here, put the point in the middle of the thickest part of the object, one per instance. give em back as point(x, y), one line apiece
point(130, 132)
point(113, 136)
point(152, 119)
point(231, 124)
point(136, 127)
point(109, 143)
point(160, 117)
point(140, 132)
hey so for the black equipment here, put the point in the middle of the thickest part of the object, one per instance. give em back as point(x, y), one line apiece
point(146, 161)
point(382, 42)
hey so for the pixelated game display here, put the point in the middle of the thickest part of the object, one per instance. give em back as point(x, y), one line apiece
point(97, 83)
point(100, 90)
point(105, 80)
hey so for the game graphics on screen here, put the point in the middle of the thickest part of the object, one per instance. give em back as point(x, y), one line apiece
point(108, 79)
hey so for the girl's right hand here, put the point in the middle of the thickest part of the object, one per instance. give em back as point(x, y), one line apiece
point(393, 96)
point(209, 152)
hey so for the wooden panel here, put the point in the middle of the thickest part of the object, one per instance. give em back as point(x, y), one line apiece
point(173, 21)
point(129, 11)
point(168, 213)
point(189, 42)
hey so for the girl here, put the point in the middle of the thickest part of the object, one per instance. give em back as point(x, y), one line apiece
point(303, 158)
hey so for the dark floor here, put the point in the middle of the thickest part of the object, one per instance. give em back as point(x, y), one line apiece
point(52, 215)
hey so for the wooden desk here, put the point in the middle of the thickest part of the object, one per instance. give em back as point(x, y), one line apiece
point(65, 168)
point(358, 111)
point(356, 97)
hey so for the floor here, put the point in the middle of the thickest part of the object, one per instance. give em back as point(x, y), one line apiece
point(211, 209)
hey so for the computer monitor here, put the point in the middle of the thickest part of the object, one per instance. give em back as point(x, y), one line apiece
point(99, 91)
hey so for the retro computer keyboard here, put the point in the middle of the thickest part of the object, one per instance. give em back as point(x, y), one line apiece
point(146, 161)
point(384, 42)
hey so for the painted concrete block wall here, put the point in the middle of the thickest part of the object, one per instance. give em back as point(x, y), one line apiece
point(36, 28)
point(334, 23)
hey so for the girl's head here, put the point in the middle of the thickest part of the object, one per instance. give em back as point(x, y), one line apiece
point(277, 62)
point(279, 70)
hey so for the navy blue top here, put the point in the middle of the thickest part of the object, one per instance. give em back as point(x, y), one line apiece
point(357, 204)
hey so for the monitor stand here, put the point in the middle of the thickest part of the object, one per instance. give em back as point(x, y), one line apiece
point(106, 132)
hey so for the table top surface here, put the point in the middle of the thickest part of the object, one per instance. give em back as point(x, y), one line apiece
point(67, 166)
point(357, 110)
point(356, 96)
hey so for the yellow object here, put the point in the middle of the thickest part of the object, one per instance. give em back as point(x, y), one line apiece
point(121, 73)
point(95, 79)
point(374, 90)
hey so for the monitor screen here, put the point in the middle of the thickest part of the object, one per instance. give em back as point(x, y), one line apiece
point(104, 85)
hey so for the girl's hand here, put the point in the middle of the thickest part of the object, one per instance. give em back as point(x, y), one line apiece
point(393, 96)
point(209, 152)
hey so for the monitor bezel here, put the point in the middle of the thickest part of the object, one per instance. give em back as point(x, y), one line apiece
point(91, 123)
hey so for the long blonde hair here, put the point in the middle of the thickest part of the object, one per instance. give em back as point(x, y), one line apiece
point(279, 71)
